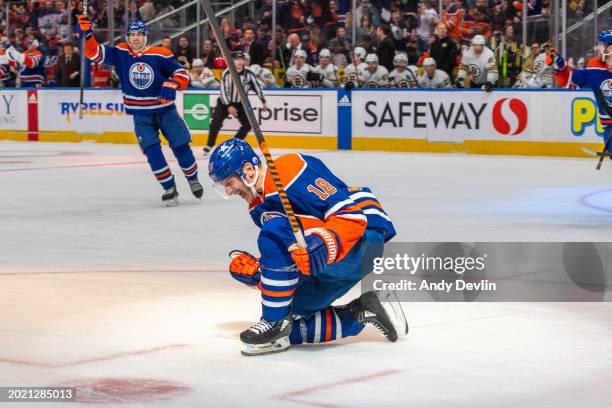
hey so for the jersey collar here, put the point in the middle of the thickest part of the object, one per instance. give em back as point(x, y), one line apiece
point(139, 53)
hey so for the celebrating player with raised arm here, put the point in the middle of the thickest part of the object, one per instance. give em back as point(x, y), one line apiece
point(150, 77)
point(31, 65)
point(599, 79)
point(343, 226)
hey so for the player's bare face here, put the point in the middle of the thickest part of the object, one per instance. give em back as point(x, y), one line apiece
point(299, 61)
point(478, 48)
point(431, 70)
point(137, 41)
point(372, 67)
point(324, 61)
point(234, 185)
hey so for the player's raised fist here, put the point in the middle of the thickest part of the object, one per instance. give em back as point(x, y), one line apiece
point(84, 24)
point(167, 93)
point(555, 60)
point(321, 250)
point(244, 267)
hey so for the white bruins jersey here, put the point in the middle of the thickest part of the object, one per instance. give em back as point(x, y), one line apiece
point(378, 79)
point(353, 73)
point(406, 78)
point(482, 68)
point(439, 80)
point(297, 76)
point(264, 75)
point(537, 75)
point(330, 75)
point(205, 80)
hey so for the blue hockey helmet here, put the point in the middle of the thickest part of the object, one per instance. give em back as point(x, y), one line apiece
point(229, 157)
point(137, 26)
point(605, 37)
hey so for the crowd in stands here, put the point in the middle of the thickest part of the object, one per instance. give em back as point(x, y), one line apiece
point(398, 43)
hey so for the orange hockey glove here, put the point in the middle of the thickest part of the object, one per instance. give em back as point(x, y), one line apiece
point(244, 267)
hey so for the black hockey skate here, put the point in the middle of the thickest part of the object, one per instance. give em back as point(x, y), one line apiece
point(387, 316)
point(170, 197)
point(196, 188)
point(266, 338)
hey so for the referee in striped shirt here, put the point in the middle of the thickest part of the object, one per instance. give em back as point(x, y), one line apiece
point(229, 101)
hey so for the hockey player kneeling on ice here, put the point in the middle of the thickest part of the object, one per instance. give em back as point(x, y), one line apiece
point(343, 226)
point(150, 77)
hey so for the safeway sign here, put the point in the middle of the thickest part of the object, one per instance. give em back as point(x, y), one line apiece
point(439, 116)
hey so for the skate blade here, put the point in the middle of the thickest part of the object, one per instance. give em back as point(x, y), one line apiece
point(171, 203)
point(276, 346)
point(393, 307)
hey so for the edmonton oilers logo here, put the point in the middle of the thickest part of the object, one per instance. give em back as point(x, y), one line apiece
point(606, 89)
point(141, 75)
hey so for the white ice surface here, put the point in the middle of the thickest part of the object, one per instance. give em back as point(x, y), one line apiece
point(98, 280)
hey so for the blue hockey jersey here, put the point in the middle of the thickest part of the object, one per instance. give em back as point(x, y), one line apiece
point(320, 199)
point(594, 78)
point(141, 74)
point(32, 72)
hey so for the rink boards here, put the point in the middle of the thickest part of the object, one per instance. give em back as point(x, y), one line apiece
point(523, 122)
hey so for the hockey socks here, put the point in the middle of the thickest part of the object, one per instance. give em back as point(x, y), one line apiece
point(277, 290)
point(187, 161)
point(160, 168)
point(327, 325)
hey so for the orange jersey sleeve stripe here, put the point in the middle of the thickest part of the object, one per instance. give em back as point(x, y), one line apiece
point(182, 80)
point(32, 58)
point(363, 204)
point(142, 103)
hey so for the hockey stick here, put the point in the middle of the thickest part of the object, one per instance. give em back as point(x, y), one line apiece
point(83, 67)
point(414, 78)
point(590, 152)
point(601, 101)
point(336, 75)
point(278, 184)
